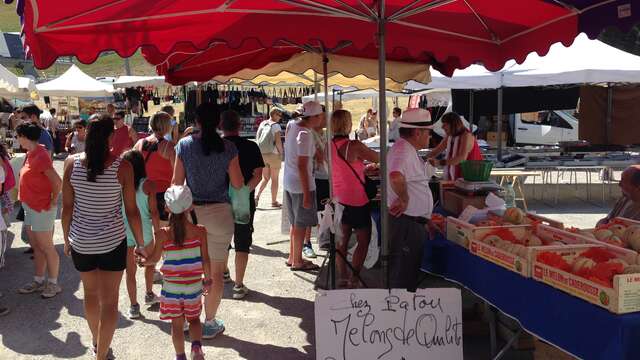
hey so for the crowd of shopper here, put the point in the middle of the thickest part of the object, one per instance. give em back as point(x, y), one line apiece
point(173, 198)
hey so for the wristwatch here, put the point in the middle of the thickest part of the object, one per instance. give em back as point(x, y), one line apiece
point(207, 282)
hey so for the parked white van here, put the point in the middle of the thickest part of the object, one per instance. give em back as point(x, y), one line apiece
point(547, 128)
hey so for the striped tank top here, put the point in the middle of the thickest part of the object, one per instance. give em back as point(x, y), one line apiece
point(97, 226)
point(182, 264)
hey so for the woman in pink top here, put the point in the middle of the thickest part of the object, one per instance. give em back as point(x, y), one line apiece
point(347, 159)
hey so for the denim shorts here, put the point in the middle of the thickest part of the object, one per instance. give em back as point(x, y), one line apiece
point(40, 221)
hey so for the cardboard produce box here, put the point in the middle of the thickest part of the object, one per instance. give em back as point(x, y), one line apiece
point(623, 297)
point(520, 258)
point(461, 232)
point(605, 242)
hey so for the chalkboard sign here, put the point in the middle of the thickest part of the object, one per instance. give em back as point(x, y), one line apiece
point(389, 324)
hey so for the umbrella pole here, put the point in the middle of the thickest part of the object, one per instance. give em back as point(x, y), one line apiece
point(325, 80)
point(499, 129)
point(471, 105)
point(382, 112)
point(608, 121)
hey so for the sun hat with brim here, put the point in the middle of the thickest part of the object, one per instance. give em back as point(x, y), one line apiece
point(416, 119)
point(178, 199)
point(311, 108)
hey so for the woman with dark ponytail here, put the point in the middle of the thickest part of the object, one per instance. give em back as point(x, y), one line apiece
point(207, 164)
point(95, 185)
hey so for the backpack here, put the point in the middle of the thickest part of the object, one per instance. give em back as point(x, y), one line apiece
point(264, 137)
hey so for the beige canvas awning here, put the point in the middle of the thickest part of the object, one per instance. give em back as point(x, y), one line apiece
point(343, 71)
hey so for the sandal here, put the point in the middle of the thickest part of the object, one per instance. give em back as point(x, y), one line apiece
point(276, 205)
point(288, 264)
point(306, 267)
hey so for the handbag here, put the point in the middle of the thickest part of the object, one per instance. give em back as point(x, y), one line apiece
point(370, 187)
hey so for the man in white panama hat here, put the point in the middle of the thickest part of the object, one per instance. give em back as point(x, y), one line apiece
point(409, 200)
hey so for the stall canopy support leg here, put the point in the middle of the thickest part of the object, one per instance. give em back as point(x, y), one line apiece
point(382, 112)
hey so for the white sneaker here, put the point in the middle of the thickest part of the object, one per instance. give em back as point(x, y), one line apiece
point(240, 292)
point(51, 290)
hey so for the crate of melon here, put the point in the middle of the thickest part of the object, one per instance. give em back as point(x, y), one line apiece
point(605, 276)
point(461, 231)
point(513, 247)
point(617, 233)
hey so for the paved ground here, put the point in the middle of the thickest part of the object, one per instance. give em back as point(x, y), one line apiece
point(274, 322)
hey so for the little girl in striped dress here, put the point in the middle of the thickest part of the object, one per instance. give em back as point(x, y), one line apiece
point(186, 260)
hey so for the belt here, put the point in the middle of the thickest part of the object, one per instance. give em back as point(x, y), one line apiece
point(418, 219)
point(199, 203)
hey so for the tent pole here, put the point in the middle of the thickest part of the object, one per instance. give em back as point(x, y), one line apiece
point(315, 86)
point(609, 113)
point(382, 113)
point(499, 130)
point(333, 100)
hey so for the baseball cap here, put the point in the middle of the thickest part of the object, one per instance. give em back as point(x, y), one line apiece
point(416, 119)
point(178, 199)
point(311, 108)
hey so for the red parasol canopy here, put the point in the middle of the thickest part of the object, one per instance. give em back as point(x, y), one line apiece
point(448, 33)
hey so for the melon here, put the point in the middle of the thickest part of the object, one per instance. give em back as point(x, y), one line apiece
point(492, 240)
point(632, 237)
point(520, 250)
point(619, 261)
point(603, 234)
point(533, 241)
point(618, 230)
point(615, 241)
point(581, 263)
point(514, 216)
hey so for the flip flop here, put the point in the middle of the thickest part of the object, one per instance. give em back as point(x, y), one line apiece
point(306, 267)
point(303, 261)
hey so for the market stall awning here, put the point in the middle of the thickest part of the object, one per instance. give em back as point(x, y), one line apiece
point(585, 61)
point(133, 81)
point(15, 87)
point(75, 83)
point(452, 34)
point(343, 71)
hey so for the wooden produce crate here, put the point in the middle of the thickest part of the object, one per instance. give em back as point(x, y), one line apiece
point(623, 298)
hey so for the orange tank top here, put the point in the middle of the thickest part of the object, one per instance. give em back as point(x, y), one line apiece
point(158, 168)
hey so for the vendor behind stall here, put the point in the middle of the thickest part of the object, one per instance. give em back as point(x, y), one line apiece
point(628, 206)
point(410, 201)
point(459, 145)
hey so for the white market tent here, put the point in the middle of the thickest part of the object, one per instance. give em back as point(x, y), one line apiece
point(15, 87)
point(437, 97)
point(75, 83)
point(585, 61)
point(133, 81)
point(351, 94)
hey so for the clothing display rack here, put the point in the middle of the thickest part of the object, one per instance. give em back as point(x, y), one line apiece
point(244, 99)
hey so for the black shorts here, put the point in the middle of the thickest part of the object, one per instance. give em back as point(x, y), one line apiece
point(115, 260)
point(358, 217)
point(243, 233)
point(322, 193)
point(162, 210)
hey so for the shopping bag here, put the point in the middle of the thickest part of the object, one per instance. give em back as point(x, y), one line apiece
point(240, 204)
